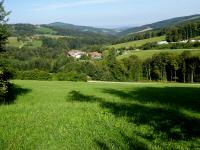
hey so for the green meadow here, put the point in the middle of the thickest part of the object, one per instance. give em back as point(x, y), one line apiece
point(138, 43)
point(78, 115)
point(144, 54)
point(13, 42)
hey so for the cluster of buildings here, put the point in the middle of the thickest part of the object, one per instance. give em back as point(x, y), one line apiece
point(78, 54)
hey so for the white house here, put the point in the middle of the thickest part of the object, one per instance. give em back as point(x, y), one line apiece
point(76, 54)
point(162, 43)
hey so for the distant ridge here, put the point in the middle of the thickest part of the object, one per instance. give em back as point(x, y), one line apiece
point(72, 29)
point(161, 24)
point(83, 28)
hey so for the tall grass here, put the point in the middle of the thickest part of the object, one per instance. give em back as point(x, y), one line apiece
point(76, 115)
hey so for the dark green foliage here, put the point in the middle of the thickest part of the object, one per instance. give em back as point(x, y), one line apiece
point(172, 67)
point(33, 75)
point(183, 32)
point(4, 85)
point(23, 30)
point(70, 76)
point(188, 45)
point(3, 27)
point(4, 73)
point(133, 69)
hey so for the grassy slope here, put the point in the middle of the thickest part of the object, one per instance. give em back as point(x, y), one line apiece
point(45, 30)
point(101, 116)
point(12, 41)
point(138, 43)
point(144, 54)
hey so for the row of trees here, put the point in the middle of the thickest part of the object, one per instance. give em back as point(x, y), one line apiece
point(161, 67)
point(172, 67)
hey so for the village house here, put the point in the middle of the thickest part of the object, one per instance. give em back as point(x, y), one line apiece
point(76, 54)
point(96, 55)
point(162, 43)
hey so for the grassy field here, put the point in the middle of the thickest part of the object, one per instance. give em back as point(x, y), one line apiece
point(34, 44)
point(70, 115)
point(12, 41)
point(138, 43)
point(45, 30)
point(144, 54)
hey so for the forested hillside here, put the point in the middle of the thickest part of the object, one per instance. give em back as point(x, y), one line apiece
point(162, 24)
point(40, 52)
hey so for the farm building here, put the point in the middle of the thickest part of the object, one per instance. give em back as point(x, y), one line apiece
point(96, 55)
point(162, 43)
point(76, 54)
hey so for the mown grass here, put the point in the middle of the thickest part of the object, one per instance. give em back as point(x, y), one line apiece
point(138, 43)
point(74, 115)
point(144, 54)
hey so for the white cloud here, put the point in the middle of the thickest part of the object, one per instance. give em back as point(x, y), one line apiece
point(72, 4)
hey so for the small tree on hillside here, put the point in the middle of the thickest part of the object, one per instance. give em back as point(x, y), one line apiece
point(3, 26)
point(4, 75)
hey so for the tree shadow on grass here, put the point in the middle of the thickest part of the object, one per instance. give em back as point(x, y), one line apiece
point(131, 143)
point(79, 97)
point(170, 123)
point(177, 97)
point(15, 91)
point(101, 145)
point(168, 120)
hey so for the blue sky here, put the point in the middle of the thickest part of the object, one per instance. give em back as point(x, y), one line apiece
point(102, 13)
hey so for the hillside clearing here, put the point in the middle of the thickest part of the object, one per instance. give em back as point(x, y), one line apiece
point(77, 115)
point(138, 43)
point(144, 54)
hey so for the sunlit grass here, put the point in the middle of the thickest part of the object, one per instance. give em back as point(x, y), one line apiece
point(76, 115)
point(144, 54)
point(138, 43)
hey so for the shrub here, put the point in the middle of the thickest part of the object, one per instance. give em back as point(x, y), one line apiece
point(4, 85)
point(33, 75)
point(71, 76)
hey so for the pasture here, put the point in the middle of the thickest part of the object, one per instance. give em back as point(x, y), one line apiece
point(144, 54)
point(138, 43)
point(78, 115)
point(31, 43)
point(12, 41)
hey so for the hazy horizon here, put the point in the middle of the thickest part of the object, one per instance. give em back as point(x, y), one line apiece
point(99, 13)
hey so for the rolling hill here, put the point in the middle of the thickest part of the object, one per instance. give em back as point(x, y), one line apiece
point(138, 43)
point(144, 54)
point(83, 28)
point(161, 24)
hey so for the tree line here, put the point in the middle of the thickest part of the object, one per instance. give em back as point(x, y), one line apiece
point(51, 64)
point(183, 32)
